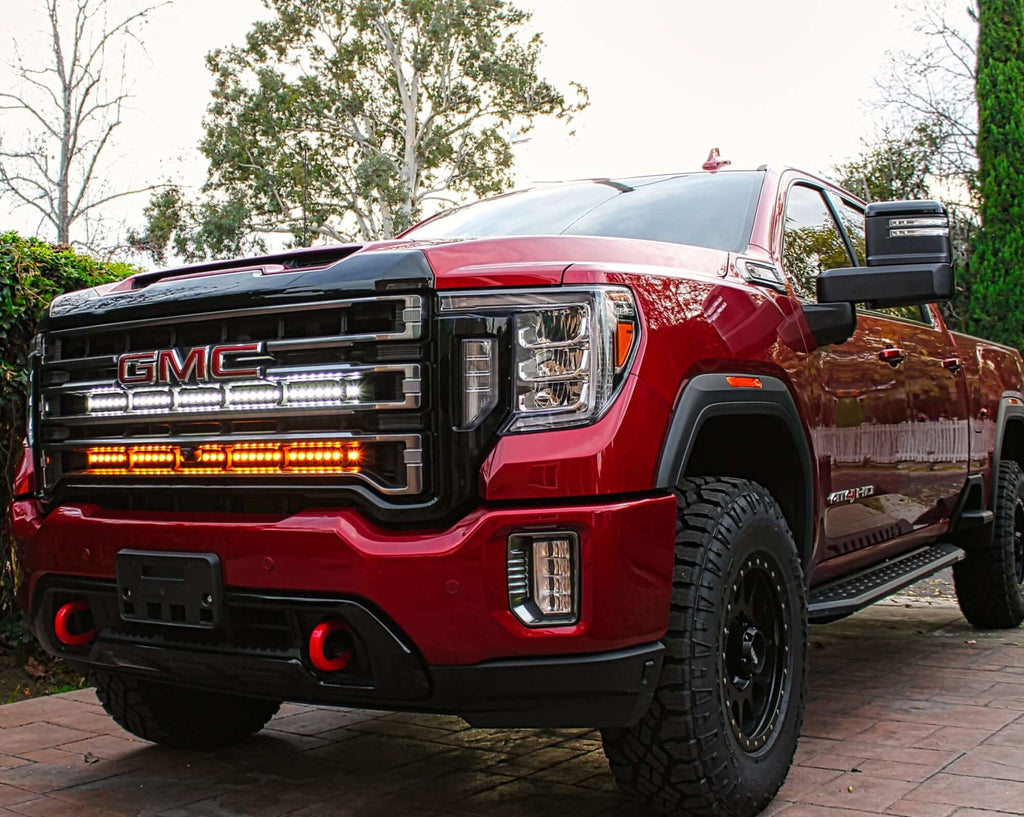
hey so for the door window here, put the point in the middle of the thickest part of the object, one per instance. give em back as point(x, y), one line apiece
point(811, 241)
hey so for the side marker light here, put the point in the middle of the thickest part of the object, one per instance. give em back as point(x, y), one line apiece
point(744, 382)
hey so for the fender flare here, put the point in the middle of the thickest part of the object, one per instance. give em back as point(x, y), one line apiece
point(710, 395)
point(1009, 412)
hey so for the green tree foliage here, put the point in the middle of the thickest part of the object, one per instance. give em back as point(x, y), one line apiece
point(342, 119)
point(891, 168)
point(32, 273)
point(996, 297)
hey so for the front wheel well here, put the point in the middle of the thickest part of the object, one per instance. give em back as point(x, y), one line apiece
point(759, 448)
point(1013, 442)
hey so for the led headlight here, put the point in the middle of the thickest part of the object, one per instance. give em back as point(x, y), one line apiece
point(571, 350)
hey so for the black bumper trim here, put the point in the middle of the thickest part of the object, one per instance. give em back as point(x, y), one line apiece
point(606, 689)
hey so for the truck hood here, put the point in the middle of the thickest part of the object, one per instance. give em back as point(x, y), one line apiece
point(365, 270)
point(543, 260)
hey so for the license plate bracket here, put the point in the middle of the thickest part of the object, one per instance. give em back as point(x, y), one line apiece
point(172, 589)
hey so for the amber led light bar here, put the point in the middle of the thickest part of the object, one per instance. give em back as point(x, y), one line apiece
point(322, 457)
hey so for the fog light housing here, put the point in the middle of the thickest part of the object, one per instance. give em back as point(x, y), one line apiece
point(543, 577)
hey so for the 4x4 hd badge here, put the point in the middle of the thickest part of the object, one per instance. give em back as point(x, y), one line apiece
point(200, 364)
point(850, 495)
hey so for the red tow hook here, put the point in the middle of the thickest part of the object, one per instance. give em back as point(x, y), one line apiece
point(318, 647)
point(62, 621)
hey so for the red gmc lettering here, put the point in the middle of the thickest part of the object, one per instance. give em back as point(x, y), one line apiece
point(137, 368)
point(217, 361)
point(170, 362)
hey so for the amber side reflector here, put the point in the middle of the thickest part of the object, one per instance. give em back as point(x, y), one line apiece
point(624, 333)
point(744, 382)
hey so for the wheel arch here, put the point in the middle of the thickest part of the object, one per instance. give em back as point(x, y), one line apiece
point(714, 428)
point(1009, 442)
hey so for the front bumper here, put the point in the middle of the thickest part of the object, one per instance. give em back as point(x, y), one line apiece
point(595, 690)
point(430, 608)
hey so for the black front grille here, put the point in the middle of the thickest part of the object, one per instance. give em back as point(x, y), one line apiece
point(341, 373)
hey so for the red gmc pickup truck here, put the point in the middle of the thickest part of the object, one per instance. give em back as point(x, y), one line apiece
point(589, 454)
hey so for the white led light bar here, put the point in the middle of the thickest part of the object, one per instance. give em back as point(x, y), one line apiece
point(285, 390)
point(106, 401)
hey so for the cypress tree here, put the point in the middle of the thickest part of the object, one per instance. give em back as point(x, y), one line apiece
point(996, 280)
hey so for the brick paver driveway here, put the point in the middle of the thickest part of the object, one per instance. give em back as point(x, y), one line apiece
point(910, 713)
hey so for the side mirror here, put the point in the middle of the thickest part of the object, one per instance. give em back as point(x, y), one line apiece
point(895, 285)
point(908, 259)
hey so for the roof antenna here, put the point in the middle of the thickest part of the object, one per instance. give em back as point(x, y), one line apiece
point(715, 161)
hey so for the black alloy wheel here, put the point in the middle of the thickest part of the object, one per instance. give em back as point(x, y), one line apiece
point(755, 637)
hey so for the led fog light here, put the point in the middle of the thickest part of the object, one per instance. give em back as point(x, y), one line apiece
point(543, 577)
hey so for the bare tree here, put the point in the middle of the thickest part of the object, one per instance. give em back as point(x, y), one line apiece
point(930, 92)
point(61, 119)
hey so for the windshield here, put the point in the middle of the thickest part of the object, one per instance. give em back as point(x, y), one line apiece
point(714, 210)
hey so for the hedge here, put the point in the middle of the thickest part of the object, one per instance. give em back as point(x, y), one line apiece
point(32, 273)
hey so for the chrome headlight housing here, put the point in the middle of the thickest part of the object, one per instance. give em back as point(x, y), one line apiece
point(571, 350)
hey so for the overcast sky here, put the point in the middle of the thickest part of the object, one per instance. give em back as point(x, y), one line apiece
point(782, 82)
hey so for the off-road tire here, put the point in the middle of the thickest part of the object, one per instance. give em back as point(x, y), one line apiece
point(684, 756)
point(988, 581)
point(180, 717)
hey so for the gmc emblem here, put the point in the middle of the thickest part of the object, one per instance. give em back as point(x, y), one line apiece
point(200, 364)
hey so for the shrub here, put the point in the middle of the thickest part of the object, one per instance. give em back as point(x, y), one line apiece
point(32, 273)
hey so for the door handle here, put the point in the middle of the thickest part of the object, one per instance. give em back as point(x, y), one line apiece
point(894, 357)
point(953, 364)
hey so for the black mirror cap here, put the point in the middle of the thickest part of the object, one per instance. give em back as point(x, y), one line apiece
point(907, 232)
point(895, 285)
point(830, 323)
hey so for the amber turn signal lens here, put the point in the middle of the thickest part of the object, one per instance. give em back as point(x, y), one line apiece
point(624, 332)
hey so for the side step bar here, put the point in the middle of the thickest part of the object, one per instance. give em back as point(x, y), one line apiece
point(848, 595)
